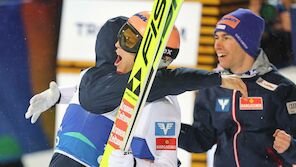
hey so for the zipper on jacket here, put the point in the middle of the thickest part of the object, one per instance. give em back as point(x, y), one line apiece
point(235, 152)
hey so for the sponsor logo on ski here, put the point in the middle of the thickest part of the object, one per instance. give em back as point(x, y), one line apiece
point(127, 107)
point(114, 141)
point(118, 132)
point(123, 116)
point(125, 111)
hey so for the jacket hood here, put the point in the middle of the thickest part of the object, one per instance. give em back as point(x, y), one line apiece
point(262, 64)
point(106, 39)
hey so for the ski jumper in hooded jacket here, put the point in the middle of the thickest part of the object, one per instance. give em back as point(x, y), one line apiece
point(102, 88)
point(243, 128)
point(88, 120)
point(82, 135)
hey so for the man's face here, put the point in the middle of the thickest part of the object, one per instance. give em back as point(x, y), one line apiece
point(230, 54)
point(125, 60)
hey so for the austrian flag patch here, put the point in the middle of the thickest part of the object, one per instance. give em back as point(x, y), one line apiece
point(251, 103)
point(166, 144)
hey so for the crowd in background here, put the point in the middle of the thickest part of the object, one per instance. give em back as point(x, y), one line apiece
point(277, 38)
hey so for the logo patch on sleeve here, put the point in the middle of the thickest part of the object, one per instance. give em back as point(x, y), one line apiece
point(291, 107)
point(265, 84)
point(251, 103)
point(165, 128)
point(222, 105)
point(166, 144)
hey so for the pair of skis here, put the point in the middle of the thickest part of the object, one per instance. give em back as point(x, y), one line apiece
point(157, 33)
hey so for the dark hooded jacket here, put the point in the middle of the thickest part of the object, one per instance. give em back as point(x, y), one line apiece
point(101, 88)
point(243, 128)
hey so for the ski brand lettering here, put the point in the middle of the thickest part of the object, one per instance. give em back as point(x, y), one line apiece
point(158, 14)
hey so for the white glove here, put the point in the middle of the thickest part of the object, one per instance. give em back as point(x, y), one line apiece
point(118, 159)
point(43, 101)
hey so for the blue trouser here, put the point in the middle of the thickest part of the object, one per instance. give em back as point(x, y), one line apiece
point(16, 163)
point(60, 160)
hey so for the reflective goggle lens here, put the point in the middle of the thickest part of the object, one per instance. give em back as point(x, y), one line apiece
point(129, 39)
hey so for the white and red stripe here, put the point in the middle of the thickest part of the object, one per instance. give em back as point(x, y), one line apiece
point(238, 129)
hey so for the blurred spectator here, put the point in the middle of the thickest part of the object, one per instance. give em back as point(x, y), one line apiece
point(277, 38)
point(26, 32)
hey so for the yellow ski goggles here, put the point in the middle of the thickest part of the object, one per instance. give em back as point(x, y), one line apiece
point(129, 38)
